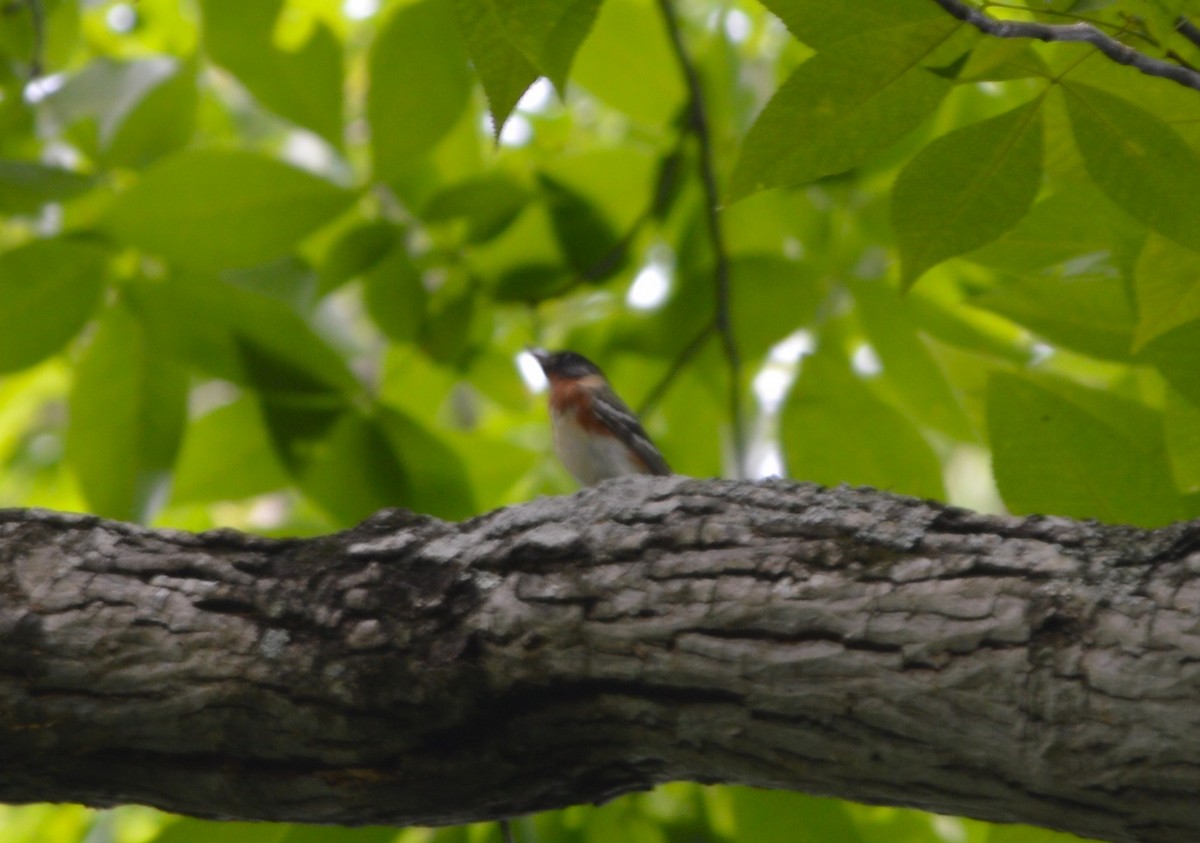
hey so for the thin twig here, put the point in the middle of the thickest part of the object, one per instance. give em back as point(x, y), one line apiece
point(1111, 47)
point(507, 832)
point(724, 323)
point(1188, 30)
point(689, 351)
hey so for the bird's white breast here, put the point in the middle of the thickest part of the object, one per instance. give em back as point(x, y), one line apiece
point(589, 457)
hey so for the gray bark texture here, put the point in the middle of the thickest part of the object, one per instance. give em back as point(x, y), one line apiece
point(412, 671)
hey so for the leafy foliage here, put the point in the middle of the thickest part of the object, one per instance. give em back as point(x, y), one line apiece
point(269, 265)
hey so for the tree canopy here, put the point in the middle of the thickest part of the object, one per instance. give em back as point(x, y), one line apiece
point(271, 265)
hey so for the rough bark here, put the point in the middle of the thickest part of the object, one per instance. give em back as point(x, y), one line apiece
point(838, 641)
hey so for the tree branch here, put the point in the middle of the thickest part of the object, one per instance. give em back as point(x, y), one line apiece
point(698, 120)
point(413, 671)
point(1188, 30)
point(1111, 47)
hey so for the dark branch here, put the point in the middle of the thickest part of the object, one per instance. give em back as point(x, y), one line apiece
point(699, 124)
point(1188, 30)
point(1083, 32)
point(677, 365)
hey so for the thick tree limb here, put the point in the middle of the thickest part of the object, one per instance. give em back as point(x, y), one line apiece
point(842, 641)
point(1080, 31)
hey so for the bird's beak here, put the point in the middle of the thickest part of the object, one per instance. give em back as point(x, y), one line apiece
point(541, 355)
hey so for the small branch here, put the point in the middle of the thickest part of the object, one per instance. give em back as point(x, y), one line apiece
point(698, 119)
point(1188, 30)
point(1111, 47)
point(689, 351)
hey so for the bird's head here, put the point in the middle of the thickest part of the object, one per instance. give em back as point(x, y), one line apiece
point(565, 364)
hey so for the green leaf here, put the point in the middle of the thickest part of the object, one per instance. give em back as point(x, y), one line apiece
point(1062, 449)
point(775, 816)
point(352, 471)
point(628, 62)
point(355, 252)
point(1078, 225)
point(548, 32)
point(26, 186)
point(1087, 312)
point(189, 830)
point(830, 406)
point(1167, 281)
point(488, 204)
point(50, 289)
point(94, 102)
point(1139, 161)
point(239, 336)
point(967, 188)
point(770, 297)
point(161, 122)
point(911, 377)
point(436, 480)
point(533, 282)
point(502, 68)
point(363, 463)
point(841, 107)
point(420, 84)
point(227, 455)
point(214, 209)
point(1174, 353)
point(395, 297)
point(303, 86)
point(128, 408)
point(1181, 421)
point(820, 24)
point(594, 249)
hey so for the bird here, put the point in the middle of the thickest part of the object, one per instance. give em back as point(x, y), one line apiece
point(596, 435)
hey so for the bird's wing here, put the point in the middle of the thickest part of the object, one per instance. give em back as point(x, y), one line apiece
point(616, 414)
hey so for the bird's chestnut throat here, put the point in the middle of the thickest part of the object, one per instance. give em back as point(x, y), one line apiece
point(570, 395)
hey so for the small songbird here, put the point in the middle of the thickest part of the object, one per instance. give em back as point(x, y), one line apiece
point(595, 434)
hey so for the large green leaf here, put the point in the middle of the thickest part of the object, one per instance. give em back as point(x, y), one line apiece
point(304, 86)
point(1088, 312)
point(1167, 281)
point(1077, 225)
point(1181, 421)
point(766, 816)
point(911, 377)
point(488, 204)
point(1139, 161)
point(227, 455)
point(395, 297)
point(1065, 450)
point(49, 289)
point(841, 107)
point(356, 251)
point(128, 407)
point(628, 62)
point(967, 188)
point(820, 24)
point(161, 122)
point(223, 208)
point(834, 430)
point(25, 186)
point(240, 336)
point(593, 248)
point(548, 32)
point(502, 68)
point(420, 84)
point(1175, 355)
